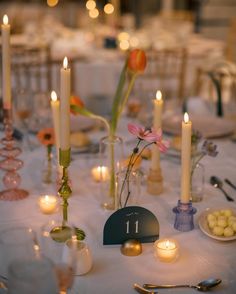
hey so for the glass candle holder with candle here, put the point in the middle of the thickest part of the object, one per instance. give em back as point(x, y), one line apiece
point(48, 204)
point(166, 250)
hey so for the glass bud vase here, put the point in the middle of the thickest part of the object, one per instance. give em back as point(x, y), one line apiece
point(197, 183)
point(49, 168)
point(128, 188)
point(111, 155)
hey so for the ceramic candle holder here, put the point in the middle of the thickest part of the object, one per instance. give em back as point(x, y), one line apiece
point(166, 250)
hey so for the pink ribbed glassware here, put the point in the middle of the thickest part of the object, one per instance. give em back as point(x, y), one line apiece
point(10, 164)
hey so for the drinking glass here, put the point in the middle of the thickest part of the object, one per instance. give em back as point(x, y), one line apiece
point(53, 237)
point(16, 243)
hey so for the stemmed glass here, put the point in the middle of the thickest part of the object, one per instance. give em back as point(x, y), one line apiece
point(23, 109)
point(54, 237)
point(22, 264)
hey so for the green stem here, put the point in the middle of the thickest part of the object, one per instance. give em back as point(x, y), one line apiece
point(129, 89)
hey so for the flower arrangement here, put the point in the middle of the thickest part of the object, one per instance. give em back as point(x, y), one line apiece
point(135, 64)
point(145, 138)
point(47, 138)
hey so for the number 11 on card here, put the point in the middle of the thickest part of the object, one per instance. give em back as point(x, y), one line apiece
point(128, 225)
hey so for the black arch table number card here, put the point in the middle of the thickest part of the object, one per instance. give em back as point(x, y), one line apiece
point(132, 222)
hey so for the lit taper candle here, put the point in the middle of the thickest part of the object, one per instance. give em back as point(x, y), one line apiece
point(186, 159)
point(55, 106)
point(65, 106)
point(157, 118)
point(6, 63)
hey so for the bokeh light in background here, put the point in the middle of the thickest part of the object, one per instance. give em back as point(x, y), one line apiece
point(90, 4)
point(108, 8)
point(94, 13)
point(124, 45)
point(52, 3)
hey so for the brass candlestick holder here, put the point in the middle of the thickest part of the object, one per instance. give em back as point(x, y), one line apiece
point(10, 164)
point(64, 232)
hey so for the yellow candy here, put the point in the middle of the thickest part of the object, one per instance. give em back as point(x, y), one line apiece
point(222, 223)
point(212, 224)
point(218, 231)
point(211, 217)
point(233, 226)
point(231, 220)
point(222, 217)
point(228, 232)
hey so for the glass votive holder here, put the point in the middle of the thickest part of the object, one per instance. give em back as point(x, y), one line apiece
point(82, 256)
point(100, 173)
point(48, 204)
point(166, 250)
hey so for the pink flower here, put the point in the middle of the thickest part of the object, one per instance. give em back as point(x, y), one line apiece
point(149, 135)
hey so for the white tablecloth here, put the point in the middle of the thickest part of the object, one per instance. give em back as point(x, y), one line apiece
point(200, 256)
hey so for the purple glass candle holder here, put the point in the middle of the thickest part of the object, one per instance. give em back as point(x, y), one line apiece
point(184, 216)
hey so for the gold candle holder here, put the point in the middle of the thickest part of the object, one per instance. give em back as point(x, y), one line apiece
point(64, 232)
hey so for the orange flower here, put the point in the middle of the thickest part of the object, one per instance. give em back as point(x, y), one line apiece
point(46, 136)
point(137, 61)
point(75, 100)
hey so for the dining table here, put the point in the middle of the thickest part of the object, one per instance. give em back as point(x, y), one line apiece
point(201, 256)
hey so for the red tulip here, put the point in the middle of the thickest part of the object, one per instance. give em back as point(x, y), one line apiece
point(137, 61)
point(75, 100)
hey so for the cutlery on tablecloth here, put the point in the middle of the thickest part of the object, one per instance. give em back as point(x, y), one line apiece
point(203, 286)
point(142, 290)
point(217, 183)
point(230, 183)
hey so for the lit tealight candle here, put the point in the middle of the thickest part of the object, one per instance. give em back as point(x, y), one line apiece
point(166, 250)
point(100, 173)
point(48, 204)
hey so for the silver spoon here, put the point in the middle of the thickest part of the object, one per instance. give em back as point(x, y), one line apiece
point(230, 183)
point(141, 290)
point(217, 183)
point(202, 286)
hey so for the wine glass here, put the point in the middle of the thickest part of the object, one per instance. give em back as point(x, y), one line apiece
point(22, 264)
point(54, 245)
point(23, 109)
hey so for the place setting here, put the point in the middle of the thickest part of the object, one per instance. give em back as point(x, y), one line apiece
point(122, 180)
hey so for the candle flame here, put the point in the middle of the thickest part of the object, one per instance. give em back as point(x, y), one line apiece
point(158, 95)
point(186, 117)
point(54, 96)
point(36, 247)
point(167, 244)
point(65, 63)
point(74, 238)
point(5, 19)
point(46, 198)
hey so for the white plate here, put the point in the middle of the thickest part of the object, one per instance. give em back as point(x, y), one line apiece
point(209, 127)
point(202, 221)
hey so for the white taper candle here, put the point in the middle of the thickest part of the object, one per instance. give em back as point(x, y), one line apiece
point(6, 63)
point(186, 159)
point(65, 106)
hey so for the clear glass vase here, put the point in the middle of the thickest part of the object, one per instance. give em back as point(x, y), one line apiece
point(49, 169)
point(111, 155)
point(197, 183)
point(128, 188)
